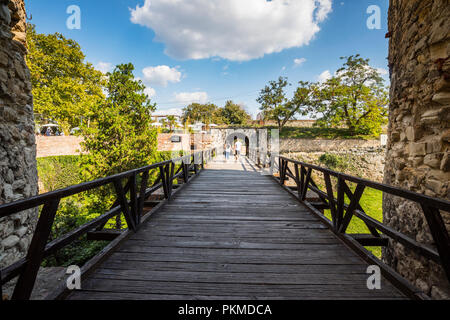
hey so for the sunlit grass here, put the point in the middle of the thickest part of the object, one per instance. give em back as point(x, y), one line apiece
point(372, 204)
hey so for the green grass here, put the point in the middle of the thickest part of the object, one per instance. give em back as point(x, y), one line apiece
point(323, 133)
point(372, 203)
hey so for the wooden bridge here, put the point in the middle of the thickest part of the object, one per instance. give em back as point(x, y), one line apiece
point(228, 232)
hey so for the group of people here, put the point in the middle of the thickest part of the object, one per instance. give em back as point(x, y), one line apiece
point(236, 149)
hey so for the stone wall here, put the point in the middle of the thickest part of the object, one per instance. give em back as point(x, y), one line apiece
point(418, 156)
point(290, 123)
point(18, 175)
point(324, 145)
point(58, 146)
point(367, 163)
point(165, 142)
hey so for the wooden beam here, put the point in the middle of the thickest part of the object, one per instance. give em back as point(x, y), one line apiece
point(104, 235)
point(368, 240)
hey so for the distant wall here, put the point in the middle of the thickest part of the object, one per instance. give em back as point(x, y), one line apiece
point(57, 146)
point(324, 145)
point(165, 142)
point(367, 163)
point(292, 123)
point(71, 145)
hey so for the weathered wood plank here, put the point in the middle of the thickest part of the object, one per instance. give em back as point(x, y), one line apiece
point(232, 234)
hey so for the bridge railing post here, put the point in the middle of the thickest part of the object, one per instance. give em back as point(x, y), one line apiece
point(142, 191)
point(35, 255)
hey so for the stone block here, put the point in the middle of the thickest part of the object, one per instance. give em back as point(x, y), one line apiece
point(432, 160)
point(445, 163)
point(438, 51)
point(410, 133)
point(434, 185)
point(434, 145)
point(21, 231)
point(10, 242)
point(5, 15)
point(446, 136)
point(417, 149)
point(442, 98)
point(4, 59)
point(23, 244)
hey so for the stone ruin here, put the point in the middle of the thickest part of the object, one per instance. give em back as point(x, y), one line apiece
point(18, 174)
point(418, 156)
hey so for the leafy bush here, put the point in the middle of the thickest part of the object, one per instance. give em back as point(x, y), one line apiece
point(71, 215)
point(58, 172)
point(63, 171)
point(334, 162)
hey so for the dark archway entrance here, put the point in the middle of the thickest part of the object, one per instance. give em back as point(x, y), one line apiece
point(232, 139)
point(247, 146)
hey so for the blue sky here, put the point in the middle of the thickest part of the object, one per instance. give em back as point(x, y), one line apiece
point(214, 50)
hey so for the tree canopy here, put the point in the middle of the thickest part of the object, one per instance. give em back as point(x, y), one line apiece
point(64, 86)
point(205, 113)
point(355, 97)
point(234, 114)
point(275, 104)
point(120, 137)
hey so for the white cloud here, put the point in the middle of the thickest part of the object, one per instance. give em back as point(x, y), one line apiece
point(298, 62)
point(104, 66)
point(234, 29)
point(161, 75)
point(191, 97)
point(324, 76)
point(150, 92)
point(324, 8)
point(382, 71)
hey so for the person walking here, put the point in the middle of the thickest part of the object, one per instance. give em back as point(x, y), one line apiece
point(227, 151)
point(238, 147)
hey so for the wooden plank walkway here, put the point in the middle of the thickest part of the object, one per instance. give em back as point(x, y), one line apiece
point(232, 234)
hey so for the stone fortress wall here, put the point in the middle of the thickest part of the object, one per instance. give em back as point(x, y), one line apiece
point(18, 175)
point(418, 156)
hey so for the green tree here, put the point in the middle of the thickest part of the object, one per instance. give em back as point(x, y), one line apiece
point(172, 122)
point(120, 137)
point(275, 104)
point(355, 97)
point(65, 87)
point(206, 113)
point(233, 113)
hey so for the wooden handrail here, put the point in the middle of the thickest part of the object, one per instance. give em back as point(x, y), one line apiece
point(132, 208)
point(342, 213)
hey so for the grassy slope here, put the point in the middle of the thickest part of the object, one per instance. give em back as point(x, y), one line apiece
point(371, 202)
point(320, 133)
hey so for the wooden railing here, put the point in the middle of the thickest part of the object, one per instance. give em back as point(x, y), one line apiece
point(129, 202)
point(342, 213)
